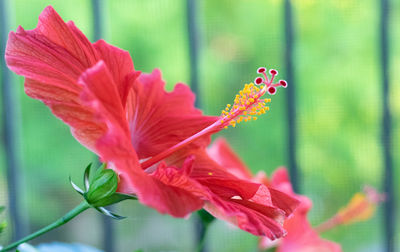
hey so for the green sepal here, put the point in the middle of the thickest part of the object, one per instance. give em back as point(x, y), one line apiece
point(76, 188)
point(86, 177)
point(104, 185)
point(100, 189)
point(112, 199)
point(109, 213)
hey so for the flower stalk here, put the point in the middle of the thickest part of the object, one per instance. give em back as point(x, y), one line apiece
point(61, 221)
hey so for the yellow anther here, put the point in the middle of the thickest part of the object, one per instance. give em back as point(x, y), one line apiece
point(247, 105)
point(210, 173)
point(225, 127)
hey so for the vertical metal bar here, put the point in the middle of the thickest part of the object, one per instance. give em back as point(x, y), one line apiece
point(291, 97)
point(98, 30)
point(193, 37)
point(193, 33)
point(388, 180)
point(97, 11)
point(11, 132)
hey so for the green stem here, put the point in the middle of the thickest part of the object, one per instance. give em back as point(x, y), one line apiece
point(202, 241)
point(66, 218)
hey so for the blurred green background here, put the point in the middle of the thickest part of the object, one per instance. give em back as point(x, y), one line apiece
point(338, 106)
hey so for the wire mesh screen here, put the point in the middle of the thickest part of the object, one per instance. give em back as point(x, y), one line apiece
point(337, 73)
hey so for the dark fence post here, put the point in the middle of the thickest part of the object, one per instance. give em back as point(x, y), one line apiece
point(388, 180)
point(98, 33)
point(193, 33)
point(193, 37)
point(291, 94)
point(11, 133)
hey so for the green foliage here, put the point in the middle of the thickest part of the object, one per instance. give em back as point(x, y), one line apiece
point(3, 224)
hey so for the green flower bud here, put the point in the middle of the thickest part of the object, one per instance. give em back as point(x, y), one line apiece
point(103, 185)
point(100, 190)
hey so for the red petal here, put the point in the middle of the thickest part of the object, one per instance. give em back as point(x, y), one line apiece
point(168, 190)
point(223, 154)
point(52, 57)
point(102, 94)
point(120, 64)
point(66, 36)
point(301, 236)
point(252, 217)
point(158, 119)
point(242, 202)
point(215, 177)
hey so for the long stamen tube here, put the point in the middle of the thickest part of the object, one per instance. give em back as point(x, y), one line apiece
point(248, 104)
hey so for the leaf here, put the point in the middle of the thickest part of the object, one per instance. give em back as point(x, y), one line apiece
point(3, 225)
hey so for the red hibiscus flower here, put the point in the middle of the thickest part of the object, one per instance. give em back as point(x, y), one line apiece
point(153, 139)
point(300, 236)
